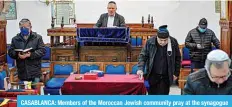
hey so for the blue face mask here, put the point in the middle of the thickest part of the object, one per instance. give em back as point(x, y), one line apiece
point(24, 31)
point(201, 30)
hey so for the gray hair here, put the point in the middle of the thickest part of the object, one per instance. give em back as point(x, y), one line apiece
point(217, 64)
point(24, 21)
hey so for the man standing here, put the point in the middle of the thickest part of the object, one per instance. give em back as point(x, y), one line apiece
point(161, 58)
point(199, 41)
point(28, 62)
point(214, 79)
point(111, 19)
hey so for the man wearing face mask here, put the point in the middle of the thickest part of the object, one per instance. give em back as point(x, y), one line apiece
point(199, 41)
point(29, 62)
point(160, 57)
point(111, 19)
point(214, 79)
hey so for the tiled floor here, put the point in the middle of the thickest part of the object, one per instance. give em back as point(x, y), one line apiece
point(175, 90)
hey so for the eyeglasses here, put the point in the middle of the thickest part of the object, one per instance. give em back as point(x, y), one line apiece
point(221, 77)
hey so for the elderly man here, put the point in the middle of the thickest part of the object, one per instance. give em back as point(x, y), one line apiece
point(111, 19)
point(161, 58)
point(214, 79)
point(28, 62)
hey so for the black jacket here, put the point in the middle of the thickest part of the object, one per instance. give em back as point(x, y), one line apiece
point(147, 55)
point(28, 68)
point(198, 83)
point(119, 20)
point(206, 39)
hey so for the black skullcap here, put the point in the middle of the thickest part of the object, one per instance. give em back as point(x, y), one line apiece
point(163, 32)
point(203, 23)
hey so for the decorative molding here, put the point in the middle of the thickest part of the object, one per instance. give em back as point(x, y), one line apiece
point(225, 24)
point(3, 23)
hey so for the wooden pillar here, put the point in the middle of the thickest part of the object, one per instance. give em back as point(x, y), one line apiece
point(226, 27)
point(225, 36)
point(3, 46)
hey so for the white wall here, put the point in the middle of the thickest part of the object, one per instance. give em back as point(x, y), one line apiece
point(180, 16)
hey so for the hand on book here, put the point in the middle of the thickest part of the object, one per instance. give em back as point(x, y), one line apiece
point(28, 54)
point(25, 55)
point(22, 56)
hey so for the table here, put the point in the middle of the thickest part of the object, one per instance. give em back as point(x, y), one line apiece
point(107, 85)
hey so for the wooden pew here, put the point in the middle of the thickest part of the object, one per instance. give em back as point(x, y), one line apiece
point(184, 72)
point(80, 64)
point(115, 64)
point(53, 63)
point(131, 65)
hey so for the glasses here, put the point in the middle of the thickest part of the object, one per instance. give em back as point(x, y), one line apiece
point(221, 77)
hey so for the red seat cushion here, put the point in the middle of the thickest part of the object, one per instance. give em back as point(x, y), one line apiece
point(186, 62)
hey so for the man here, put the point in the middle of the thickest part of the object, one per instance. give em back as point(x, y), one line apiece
point(111, 19)
point(199, 41)
point(214, 79)
point(161, 58)
point(28, 63)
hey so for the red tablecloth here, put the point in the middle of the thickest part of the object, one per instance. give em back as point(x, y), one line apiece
point(109, 84)
point(10, 104)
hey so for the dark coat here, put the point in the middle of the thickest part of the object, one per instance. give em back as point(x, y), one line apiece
point(198, 83)
point(147, 55)
point(119, 20)
point(28, 68)
point(206, 39)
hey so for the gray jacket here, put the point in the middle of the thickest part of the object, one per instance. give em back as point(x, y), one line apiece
point(119, 21)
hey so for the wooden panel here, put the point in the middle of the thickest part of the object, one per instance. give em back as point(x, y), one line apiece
point(58, 31)
point(63, 54)
point(103, 54)
point(135, 53)
point(226, 28)
point(225, 36)
point(131, 25)
point(3, 59)
point(3, 45)
point(184, 72)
